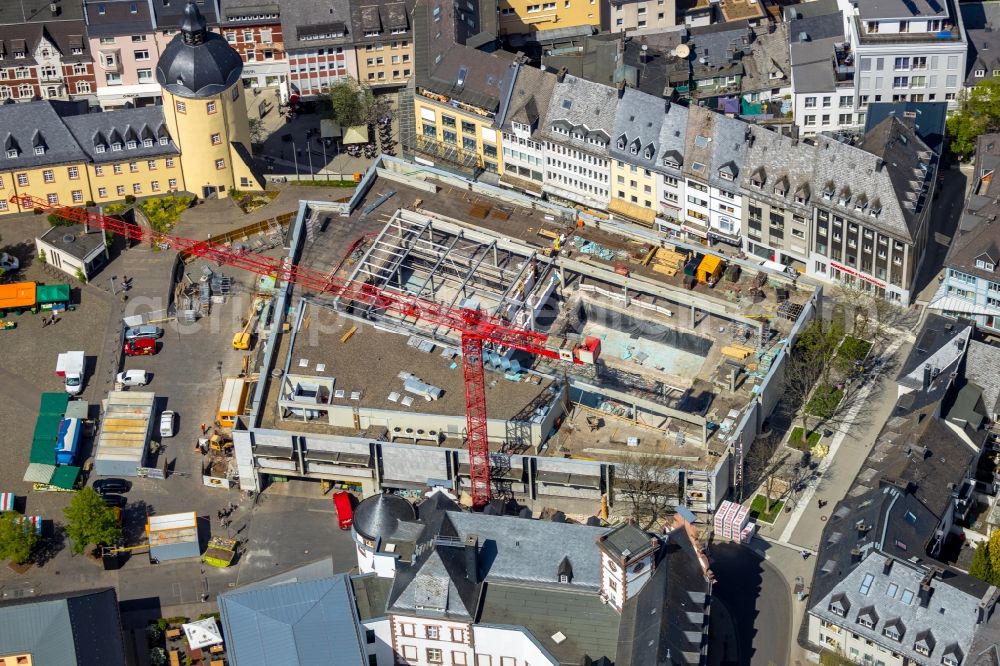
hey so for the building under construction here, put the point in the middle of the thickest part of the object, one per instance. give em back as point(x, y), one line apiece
point(687, 363)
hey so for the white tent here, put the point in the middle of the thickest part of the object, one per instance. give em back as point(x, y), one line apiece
point(202, 633)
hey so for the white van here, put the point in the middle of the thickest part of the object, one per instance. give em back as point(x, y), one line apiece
point(168, 419)
point(132, 378)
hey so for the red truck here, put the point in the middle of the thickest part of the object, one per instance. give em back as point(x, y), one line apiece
point(140, 347)
point(345, 511)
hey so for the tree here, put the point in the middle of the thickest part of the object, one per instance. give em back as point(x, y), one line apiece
point(762, 465)
point(17, 538)
point(650, 485)
point(352, 104)
point(978, 113)
point(90, 521)
point(256, 131)
point(982, 566)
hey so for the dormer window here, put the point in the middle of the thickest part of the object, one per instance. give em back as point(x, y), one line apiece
point(12, 153)
point(147, 143)
point(649, 153)
point(866, 621)
point(634, 149)
point(130, 144)
point(116, 146)
point(836, 609)
point(671, 162)
point(99, 148)
point(164, 140)
point(621, 143)
point(985, 265)
point(757, 182)
point(39, 150)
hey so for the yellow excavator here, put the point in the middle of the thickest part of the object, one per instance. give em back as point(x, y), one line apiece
point(244, 339)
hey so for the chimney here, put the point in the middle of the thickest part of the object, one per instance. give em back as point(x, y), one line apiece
point(927, 374)
point(795, 135)
point(855, 555)
point(878, 165)
point(472, 558)
point(621, 89)
point(887, 567)
point(54, 9)
point(924, 595)
point(986, 604)
point(561, 74)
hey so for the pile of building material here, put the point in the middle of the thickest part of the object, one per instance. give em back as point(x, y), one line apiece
point(732, 522)
point(669, 262)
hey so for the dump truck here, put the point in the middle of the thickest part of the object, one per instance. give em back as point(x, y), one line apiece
point(70, 366)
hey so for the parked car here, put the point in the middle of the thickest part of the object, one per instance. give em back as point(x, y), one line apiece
point(140, 347)
point(9, 262)
point(132, 378)
point(168, 420)
point(144, 331)
point(115, 500)
point(104, 486)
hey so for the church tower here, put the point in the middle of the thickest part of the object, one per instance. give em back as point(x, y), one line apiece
point(205, 111)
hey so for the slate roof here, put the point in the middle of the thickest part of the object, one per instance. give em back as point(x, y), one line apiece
point(627, 543)
point(304, 19)
point(647, 634)
point(38, 11)
point(64, 36)
point(583, 105)
point(530, 97)
point(714, 141)
point(638, 122)
point(378, 516)
point(139, 124)
point(978, 236)
point(18, 125)
point(768, 54)
point(941, 344)
point(169, 16)
point(814, 27)
point(118, 18)
point(244, 12)
point(981, 363)
point(81, 628)
point(812, 65)
point(448, 62)
point(982, 27)
point(926, 118)
point(673, 135)
point(718, 50)
point(782, 160)
point(900, 9)
point(949, 616)
point(810, 8)
point(381, 15)
point(299, 622)
point(198, 70)
point(370, 594)
point(590, 626)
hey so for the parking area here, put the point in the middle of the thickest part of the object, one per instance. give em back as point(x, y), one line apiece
point(282, 529)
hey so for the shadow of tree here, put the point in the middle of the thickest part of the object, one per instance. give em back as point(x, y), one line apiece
point(50, 546)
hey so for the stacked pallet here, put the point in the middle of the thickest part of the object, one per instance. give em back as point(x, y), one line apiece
point(668, 262)
point(732, 522)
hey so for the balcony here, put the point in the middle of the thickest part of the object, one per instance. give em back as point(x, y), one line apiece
point(949, 34)
point(843, 63)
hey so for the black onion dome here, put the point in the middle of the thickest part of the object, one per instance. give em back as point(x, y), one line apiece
point(198, 63)
point(377, 517)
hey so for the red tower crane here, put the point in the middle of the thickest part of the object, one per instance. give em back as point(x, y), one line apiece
point(475, 326)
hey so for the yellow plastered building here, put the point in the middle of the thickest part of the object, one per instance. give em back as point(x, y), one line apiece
point(464, 132)
point(203, 107)
point(527, 16)
point(633, 192)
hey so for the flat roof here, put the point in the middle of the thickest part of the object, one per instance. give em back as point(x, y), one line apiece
point(370, 362)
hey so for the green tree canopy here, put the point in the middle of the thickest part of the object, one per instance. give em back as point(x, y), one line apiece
point(986, 562)
point(17, 538)
point(90, 521)
point(352, 104)
point(978, 113)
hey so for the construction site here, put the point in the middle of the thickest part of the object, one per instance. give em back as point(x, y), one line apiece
point(647, 351)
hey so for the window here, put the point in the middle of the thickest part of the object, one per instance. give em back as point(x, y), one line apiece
point(985, 265)
point(120, 189)
point(52, 198)
point(136, 188)
point(435, 656)
point(145, 75)
point(409, 652)
point(141, 54)
point(155, 185)
point(210, 107)
point(172, 184)
point(48, 176)
point(810, 103)
point(900, 82)
point(102, 192)
point(433, 632)
point(216, 139)
point(73, 172)
point(810, 120)
point(22, 179)
point(220, 164)
point(107, 40)
point(181, 107)
point(458, 658)
point(458, 635)
point(169, 162)
point(133, 167)
point(138, 38)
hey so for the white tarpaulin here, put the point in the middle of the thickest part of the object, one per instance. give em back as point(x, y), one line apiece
point(202, 633)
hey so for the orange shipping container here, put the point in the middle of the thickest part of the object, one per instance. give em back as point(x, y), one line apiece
point(17, 295)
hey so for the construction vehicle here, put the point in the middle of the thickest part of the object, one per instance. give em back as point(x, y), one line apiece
point(244, 338)
point(220, 444)
point(476, 327)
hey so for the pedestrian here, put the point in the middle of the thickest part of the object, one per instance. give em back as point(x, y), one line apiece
point(204, 429)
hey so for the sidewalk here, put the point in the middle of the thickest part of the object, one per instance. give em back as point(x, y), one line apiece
point(802, 527)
